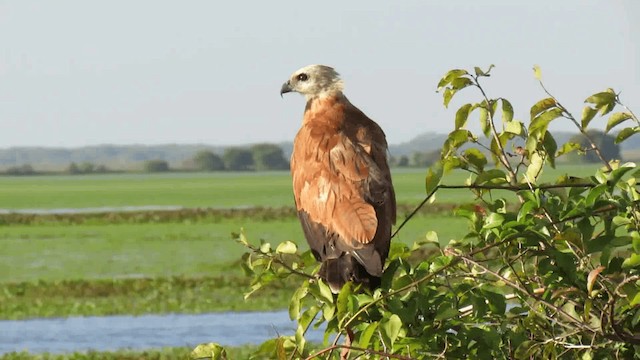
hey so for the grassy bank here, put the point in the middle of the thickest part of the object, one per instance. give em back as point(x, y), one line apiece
point(219, 190)
point(179, 294)
point(174, 353)
point(53, 270)
point(52, 252)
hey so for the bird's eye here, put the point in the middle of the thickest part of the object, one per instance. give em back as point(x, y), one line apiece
point(302, 77)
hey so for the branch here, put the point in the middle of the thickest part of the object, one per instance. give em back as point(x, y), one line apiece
point(569, 116)
point(518, 187)
point(531, 294)
point(277, 259)
point(635, 118)
point(365, 351)
point(454, 261)
point(502, 156)
point(488, 187)
point(415, 211)
point(620, 333)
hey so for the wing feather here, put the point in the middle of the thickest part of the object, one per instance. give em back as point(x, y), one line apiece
point(341, 178)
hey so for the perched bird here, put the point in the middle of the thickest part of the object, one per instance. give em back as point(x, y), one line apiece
point(341, 181)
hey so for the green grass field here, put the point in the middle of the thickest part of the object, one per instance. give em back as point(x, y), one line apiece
point(220, 190)
point(57, 254)
point(52, 252)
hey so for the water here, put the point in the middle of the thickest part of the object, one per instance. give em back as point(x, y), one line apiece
point(109, 333)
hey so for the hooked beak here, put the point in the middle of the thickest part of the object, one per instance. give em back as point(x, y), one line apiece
point(286, 87)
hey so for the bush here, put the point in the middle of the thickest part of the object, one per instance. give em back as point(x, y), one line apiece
point(206, 160)
point(152, 166)
point(553, 272)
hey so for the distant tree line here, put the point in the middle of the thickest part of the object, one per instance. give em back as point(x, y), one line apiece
point(265, 156)
point(259, 157)
point(86, 168)
point(417, 159)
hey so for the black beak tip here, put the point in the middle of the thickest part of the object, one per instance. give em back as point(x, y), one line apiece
point(286, 87)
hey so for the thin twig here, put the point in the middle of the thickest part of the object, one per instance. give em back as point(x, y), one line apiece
point(366, 351)
point(633, 116)
point(489, 187)
point(531, 294)
point(454, 261)
point(415, 211)
point(569, 116)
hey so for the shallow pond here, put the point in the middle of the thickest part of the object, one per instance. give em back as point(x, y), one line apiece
point(142, 332)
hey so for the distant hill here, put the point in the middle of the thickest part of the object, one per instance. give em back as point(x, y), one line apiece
point(131, 157)
point(125, 157)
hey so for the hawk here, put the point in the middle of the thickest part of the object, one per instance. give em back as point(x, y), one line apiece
point(341, 181)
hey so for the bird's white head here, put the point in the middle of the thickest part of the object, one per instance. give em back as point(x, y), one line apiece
point(314, 81)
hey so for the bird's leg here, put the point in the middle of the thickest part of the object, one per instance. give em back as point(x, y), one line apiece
point(347, 343)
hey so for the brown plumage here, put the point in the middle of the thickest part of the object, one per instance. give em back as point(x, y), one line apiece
point(341, 181)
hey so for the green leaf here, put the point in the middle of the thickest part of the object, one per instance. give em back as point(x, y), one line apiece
point(367, 334)
point(456, 139)
point(265, 247)
point(449, 76)
point(625, 133)
point(537, 72)
point(308, 316)
point(210, 351)
point(550, 146)
point(527, 349)
point(447, 96)
point(328, 310)
point(497, 302)
point(496, 176)
point(534, 169)
point(507, 111)
point(594, 194)
point(493, 220)
point(607, 108)
point(495, 149)
point(479, 71)
point(618, 173)
point(287, 247)
point(446, 311)
point(527, 208)
point(303, 324)
point(587, 115)
point(476, 158)
point(602, 98)
point(485, 122)
point(514, 127)
point(434, 175)
point(460, 83)
point(391, 328)
point(617, 118)
point(325, 292)
point(631, 262)
point(247, 264)
point(462, 114)
point(343, 300)
point(541, 106)
point(567, 148)
point(294, 306)
point(541, 122)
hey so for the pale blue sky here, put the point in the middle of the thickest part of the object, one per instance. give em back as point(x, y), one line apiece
point(75, 73)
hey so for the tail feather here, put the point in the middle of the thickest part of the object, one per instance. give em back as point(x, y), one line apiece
point(337, 272)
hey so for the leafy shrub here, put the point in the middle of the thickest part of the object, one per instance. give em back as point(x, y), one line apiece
point(553, 274)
